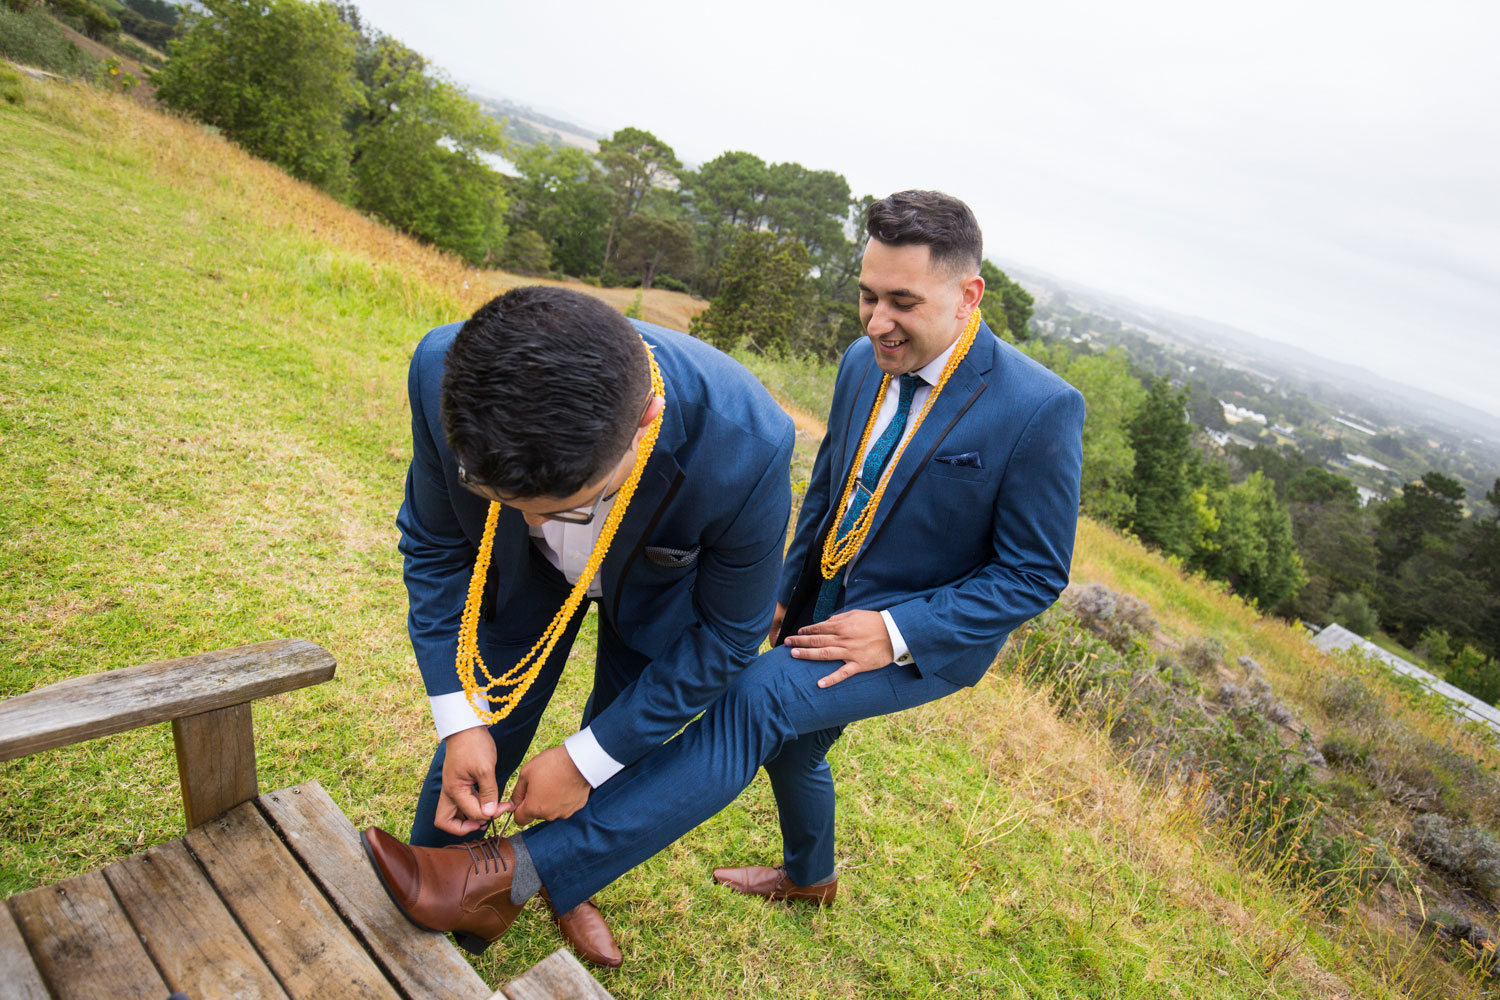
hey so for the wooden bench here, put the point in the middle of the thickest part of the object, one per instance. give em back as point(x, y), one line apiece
point(266, 896)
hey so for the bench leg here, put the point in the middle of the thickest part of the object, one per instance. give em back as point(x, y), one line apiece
point(215, 762)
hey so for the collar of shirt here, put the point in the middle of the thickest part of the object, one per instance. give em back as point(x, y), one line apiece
point(933, 370)
point(568, 546)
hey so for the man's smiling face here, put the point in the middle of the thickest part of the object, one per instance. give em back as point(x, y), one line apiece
point(911, 311)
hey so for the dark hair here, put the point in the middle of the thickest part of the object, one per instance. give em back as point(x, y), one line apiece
point(931, 219)
point(543, 390)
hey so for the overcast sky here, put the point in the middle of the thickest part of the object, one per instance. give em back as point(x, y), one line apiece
point(1325, 174)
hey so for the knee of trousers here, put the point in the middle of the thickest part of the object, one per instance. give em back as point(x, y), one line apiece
point(752, 703)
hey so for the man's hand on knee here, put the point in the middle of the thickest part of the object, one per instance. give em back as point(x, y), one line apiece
point(469, 798)
point(859, 638)
point(548, 787)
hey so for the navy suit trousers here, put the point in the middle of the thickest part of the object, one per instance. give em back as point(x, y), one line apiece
point(674, 788)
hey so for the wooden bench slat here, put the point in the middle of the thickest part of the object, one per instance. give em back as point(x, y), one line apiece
point(293, 927)
point(559, 976)
point(83, 943)
point(21, 980)
point(318, 832)
point(193, 938)
point(82, 708)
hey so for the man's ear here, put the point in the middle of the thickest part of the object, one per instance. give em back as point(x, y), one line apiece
point(971, 292)
point(652, 412)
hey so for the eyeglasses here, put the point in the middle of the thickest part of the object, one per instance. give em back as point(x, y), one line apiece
point(575, 515)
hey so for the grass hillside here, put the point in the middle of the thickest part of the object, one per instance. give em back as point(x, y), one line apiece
point(204, 429)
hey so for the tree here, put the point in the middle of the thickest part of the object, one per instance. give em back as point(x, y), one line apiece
point(763, 295)
point(1335, 539)
point(811, 205)
point(1353, 611)
point(1250, 545)
point(1428, 512)
point(652, 243)
point(1006, 305)
point(562, 196)
point(634, 162)
point(1160, 436)
point(416, 157)
point(276, 76)
point(1204, 409)
point(526, 253)
point(1113, 395)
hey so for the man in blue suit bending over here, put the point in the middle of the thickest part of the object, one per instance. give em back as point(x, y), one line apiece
point(562, 455)
point(940, 516)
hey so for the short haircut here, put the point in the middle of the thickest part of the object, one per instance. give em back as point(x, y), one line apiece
point(932, 219)
point(542, 392)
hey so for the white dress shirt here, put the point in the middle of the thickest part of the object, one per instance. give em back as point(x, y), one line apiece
point(567, 546)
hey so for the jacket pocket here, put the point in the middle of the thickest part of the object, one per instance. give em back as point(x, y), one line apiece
point(670, 558)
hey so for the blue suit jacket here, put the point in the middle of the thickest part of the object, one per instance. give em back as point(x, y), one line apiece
point(716, 488)
point(964, 550)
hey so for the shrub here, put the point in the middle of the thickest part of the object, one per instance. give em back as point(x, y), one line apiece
point(88, 17)
point(1202, 654)
point(10, 86)
point(1471, 855)
point(1348, 698)
point(671, 284)
point(34, 39)
point(526, 252)
point(1116, 618)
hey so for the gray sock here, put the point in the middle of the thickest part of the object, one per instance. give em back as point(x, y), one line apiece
point(526, 882)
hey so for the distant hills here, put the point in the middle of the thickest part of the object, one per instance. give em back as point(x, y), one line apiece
point(529, 127)
point(1350, 386)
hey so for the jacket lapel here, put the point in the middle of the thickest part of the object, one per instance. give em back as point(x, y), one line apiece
point(865, 398)
point(653, 494)
point(963, 388)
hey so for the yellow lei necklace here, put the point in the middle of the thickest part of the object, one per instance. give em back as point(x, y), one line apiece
point(518, 679)
point(836, 553)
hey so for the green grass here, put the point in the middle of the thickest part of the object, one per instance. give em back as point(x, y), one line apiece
point(204, 430)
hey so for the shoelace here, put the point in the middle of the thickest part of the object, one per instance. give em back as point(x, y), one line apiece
point(487, 852)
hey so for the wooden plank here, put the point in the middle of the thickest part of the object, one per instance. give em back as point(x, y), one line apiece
point(21, 980)
point(292, 926)
point(82, 708)
point(559, 976)
point(215, 762)
point(194, 940)
point(420, 962)
point(83, 943)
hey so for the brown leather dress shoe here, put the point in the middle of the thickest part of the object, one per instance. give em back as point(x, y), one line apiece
point(584, 928)
point(463, 889)
point(772, 883)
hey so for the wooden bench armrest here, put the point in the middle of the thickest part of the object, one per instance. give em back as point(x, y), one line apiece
point(83, 708)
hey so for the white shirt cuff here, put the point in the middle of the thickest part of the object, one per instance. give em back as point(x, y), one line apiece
point(589, 757)
point(452, 712)
point(902, 655)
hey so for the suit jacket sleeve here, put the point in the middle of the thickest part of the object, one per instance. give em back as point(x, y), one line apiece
point(438, 556)
point(1035, 519)
point(731, 598)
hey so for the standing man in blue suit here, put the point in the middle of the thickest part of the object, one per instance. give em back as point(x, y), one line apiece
point(556, 407)
point(939, 517)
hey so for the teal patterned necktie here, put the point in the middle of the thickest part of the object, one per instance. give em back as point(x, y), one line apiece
point(869, 476)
